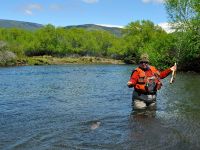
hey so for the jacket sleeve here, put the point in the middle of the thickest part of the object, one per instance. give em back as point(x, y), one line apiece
point(134, 77)
point(165, 73)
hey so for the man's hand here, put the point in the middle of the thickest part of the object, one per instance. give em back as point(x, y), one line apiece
point(129, 84)
point(173, 68)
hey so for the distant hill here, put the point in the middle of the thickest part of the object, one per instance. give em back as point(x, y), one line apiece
point(19, 24)
point(34, 26)
point(114, 30)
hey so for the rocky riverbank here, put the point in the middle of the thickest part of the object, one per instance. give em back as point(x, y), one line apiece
point(49, 60)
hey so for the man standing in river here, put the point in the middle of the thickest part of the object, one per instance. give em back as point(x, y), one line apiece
point(146, 80)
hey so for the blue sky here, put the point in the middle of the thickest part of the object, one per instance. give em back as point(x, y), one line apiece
point(76, 12)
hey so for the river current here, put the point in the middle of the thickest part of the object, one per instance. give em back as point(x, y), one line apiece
point(89, 107)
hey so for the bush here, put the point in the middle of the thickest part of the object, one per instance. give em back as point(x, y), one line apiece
point(7, 58)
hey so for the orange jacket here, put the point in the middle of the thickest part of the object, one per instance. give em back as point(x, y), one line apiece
point(145, 80)
point(148, 81)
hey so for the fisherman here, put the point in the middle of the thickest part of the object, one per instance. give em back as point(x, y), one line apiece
point(146, 81)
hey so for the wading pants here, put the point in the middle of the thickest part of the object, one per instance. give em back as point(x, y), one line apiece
point(142, 101)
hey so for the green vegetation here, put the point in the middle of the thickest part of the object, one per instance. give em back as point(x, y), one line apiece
point(185, 16)
point(90, 44)
point(60, 42)
point(114, 30)
point(7, 58)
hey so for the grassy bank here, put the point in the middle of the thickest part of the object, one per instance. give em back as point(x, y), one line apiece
point(49, 60)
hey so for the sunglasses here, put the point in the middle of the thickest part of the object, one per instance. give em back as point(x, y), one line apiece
point(146, 62)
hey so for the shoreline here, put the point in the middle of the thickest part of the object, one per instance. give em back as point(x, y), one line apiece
point(49, 60)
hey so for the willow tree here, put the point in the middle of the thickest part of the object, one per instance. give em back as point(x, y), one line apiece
point(185, 16)
point(143, 36)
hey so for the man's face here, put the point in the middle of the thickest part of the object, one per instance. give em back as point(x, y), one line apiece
point(144, 64)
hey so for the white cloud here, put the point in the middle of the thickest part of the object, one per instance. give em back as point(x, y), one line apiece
point(35, 6)
point(32, 7)
point(28, 12)
point(166, 26)
point(110, 25)
point(90, 1)
point(153, 1)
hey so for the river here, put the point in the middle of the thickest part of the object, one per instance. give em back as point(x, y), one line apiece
point(89, 107)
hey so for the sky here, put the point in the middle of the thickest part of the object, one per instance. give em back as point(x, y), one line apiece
point(77, 12)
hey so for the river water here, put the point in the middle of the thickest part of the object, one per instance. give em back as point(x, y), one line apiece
point(89, 107)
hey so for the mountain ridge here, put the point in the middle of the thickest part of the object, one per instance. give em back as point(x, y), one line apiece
point(114, 30)
point(34, 26)
point(19, 24)
point(4, 23)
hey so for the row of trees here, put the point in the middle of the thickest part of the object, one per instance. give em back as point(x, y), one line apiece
point(185, 17)
point(136, 38)
point(59, 41)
